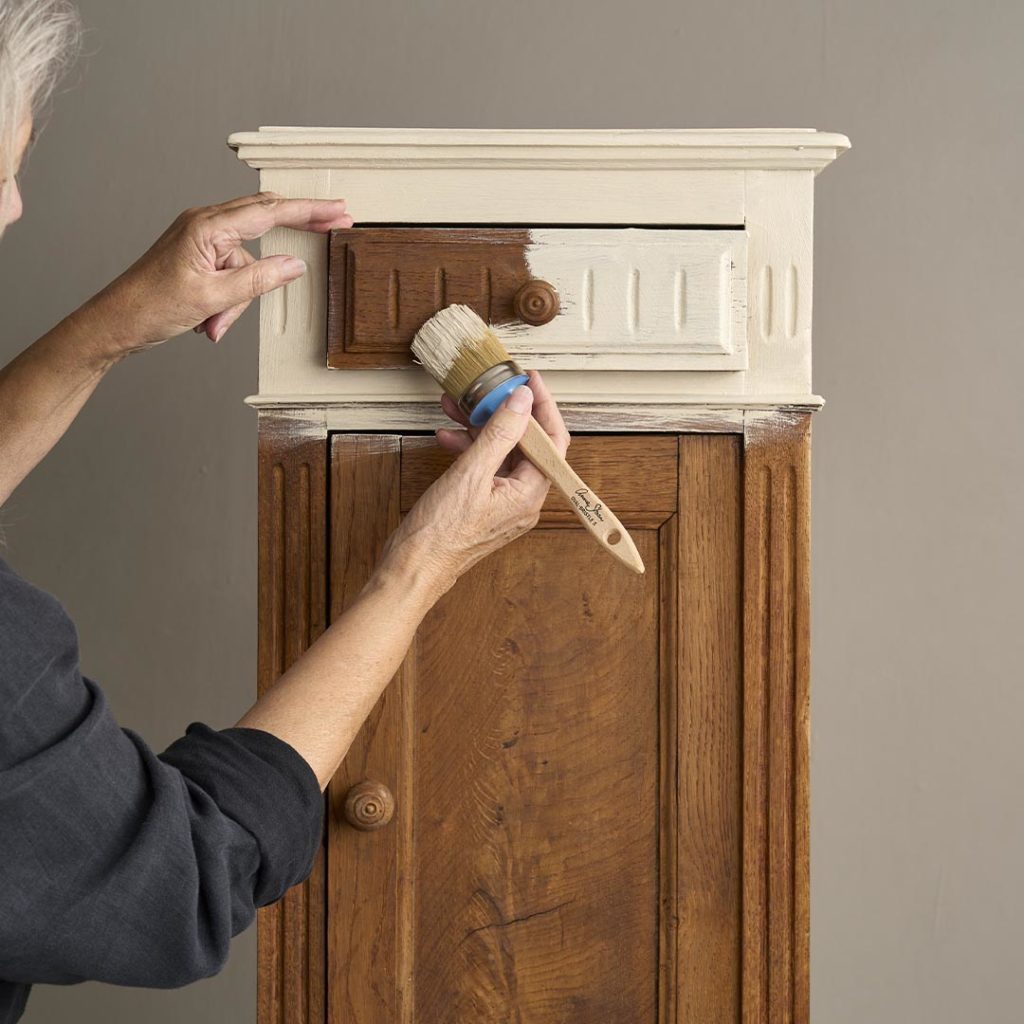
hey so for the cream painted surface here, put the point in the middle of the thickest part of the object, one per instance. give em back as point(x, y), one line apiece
point(780, 211)
point(636, 299)
point(460, 148)
point(774, 205)
point(520, 195)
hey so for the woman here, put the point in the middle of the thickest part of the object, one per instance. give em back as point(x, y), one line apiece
point(121, 865)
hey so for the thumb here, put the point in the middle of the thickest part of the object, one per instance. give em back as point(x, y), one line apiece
point(503, 431)
point(260, 277)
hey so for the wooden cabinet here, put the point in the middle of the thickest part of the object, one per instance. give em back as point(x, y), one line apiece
point(584, 798)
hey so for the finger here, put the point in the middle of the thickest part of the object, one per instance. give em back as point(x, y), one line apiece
point(237, 256)
point(534, 483)
point(220, 323)
point(258, 197)
point(502, 432)
point(216, 325)
point(256, 219)
point(546, 412)
point(456, 441)
point(242, 285)
point(452, 410)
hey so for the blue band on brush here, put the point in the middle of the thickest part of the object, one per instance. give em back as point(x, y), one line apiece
point(488, 405)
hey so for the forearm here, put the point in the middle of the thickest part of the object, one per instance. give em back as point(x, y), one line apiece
point(198, 274)
point(321, 702)
point(44, 388)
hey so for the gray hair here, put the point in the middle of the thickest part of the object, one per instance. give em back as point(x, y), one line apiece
point(38, 40)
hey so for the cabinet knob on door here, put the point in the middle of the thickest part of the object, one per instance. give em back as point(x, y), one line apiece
point(536, 303)
point(369, 805)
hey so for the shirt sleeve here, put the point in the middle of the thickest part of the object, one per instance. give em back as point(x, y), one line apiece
point(124, 866)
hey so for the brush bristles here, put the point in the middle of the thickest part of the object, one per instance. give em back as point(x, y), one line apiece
point(455, 346)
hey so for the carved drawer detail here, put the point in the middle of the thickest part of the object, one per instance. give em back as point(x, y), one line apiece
point(628, 298)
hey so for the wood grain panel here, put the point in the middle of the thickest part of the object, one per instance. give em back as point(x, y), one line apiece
point(367, 883)
point(709, 734)
point(383, 283)
point(776, 716)
point(536, 789)
point(631, 473)
point(292, 613)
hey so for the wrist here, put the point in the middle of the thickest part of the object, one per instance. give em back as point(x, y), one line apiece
point(105, 328)
point(79, 340)
point(408, 568)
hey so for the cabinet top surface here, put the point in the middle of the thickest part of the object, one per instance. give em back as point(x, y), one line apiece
point(726, 147)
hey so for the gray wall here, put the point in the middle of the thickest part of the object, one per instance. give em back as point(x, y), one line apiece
point(143, 519)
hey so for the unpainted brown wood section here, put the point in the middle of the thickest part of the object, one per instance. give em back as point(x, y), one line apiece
point(383, 283)
point(536, 815)
point(776, 719)
point(292, 612)
point(702, 814)
point(368, 871)
point(633, 472)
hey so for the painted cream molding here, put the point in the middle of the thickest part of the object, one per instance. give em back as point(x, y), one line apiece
point(579, 148)
point(759, 183)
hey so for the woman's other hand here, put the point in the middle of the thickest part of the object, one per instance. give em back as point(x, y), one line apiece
point(489, 496)
point(199, 275)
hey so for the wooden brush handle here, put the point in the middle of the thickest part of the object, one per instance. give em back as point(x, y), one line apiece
point(595, 515)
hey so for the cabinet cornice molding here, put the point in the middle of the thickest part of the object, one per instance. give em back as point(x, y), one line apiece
point(504, 149)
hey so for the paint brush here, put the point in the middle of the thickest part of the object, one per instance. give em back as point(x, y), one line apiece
point(469, 361)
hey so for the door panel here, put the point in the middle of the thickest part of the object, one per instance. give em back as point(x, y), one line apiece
point(534, 744)
point(536, 788)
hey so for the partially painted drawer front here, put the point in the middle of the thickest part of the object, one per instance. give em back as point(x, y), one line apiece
point(627, 298)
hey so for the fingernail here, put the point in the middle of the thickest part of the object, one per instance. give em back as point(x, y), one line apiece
point(293, 266)
point(521, 400)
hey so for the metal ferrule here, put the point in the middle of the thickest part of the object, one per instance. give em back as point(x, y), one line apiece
point(487, 382)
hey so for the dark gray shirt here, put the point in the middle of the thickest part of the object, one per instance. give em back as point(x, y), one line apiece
point(118, 864)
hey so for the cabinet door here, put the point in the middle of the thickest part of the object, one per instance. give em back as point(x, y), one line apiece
point(563, 748)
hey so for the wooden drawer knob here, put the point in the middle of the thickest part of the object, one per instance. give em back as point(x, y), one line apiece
point(369, 805)
point(536, 303)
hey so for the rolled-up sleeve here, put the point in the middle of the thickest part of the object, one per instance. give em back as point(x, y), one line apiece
point(263, 785)
point(121, 865)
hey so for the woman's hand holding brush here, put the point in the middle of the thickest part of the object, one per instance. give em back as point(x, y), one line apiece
point(490, 495)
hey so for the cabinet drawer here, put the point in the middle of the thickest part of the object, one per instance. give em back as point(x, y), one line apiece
point(564, 298)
